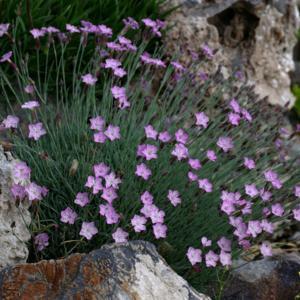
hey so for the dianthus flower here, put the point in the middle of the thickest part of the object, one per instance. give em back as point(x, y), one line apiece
point(254, 228)
point(68, 215)
point(111, 63)
point(194, 255)
point(297, 191)
point(97, 123)
point(30, 105)
point(120, 236)
point(205, 185)
point(174, 197)
point(277, 210)
point(99, 137)
point(29, 89)
point(111, 180)
point(88, 230)
point(11, 122)
point(18, 191)
point(267, 226)
point(119, 72)
point(89, 79)
point(225, 143)
point(147, 198)
point(164, 137)
point(149, 152)
point(249, 163)
point(160, 230)
point(207, 51)
point(119, 93)
point(205, 242)
point(72, 28)
point(4, 29)
point(211, 259)
point(107, 210)
point(109, 194)
point(113, 132)
point(265, 195)
point(36, 131)
point(192, 176)
point(224, 244)
point(211, 155)
point(143, 171)
point(180, 151)
point(181, 136)
point(202, 119)
point(82, 199)
point(157, 215)
point(150, 132)
point(37, 33)
point(101, 169)
point(234, 105)
point(138, 223)
point(234, 119)
point(131, 23)
point(251, 190)
point(41, 240)
point(6, 57)
point(21, 173)
point(225, 259)
point(266, 249)
point(195, 164)
point(296, 213)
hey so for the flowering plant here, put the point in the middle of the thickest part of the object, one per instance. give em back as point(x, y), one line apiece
point(139, 146)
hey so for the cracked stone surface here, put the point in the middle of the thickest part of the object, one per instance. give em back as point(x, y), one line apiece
point(14, 218)
point(256, 36)
point(130, 271)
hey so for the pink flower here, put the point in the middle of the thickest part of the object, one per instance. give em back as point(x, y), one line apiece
point(265, 195)
point(111, 63)
point(110, 214)
point(138, 222)
point(297, 191)
point(41, 241)
point(34, 192)
point(37, 33)
point(18, 191)
point(224, 244)
point(195, 164)
point(120, 236)
point(88, 230)
point(296, 213)
point(97, 123)
point(160, 230)
point(149, 152)
point(251, 190)
point(249, 163)
point(21, 173)
point(99, 137)
point(147, 198)
point(111, 180)
point(277, 210)
point(234, 105)
point(68, 215)
point(72, 28)
point(202, 119)
point(4, 29)
point(246, 115)
point(104, 30)
point(254, 228)
point(150, 132)
point(109, 194)
point(194, 255)
point(120, 72)
point(6, 57)
point(267, 226)
point(82, 199)
point(177, 66)
point(205, 242)
point(101, 169)
point(89, 79)
point(145, 57)
point(192, 176)
point(266, 249)
point(211, 155)
point(119, 93)
point(131, 23)
point(211, 259)
point(113, 132)
point(36, 131)
point(156, 215)
point(143, 171)
point(234, 119)
point(31, 104)
point(181, 136)
point(207, 51)
point(225, 259)
point(29, 89)
point(11, 122)
point(148, 209)
point(174, 197)
point(205, 185)
point(225, 143)
point(164, 137)
point(180, 151)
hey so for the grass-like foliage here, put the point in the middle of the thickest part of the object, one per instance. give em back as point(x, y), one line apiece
point(203, 148)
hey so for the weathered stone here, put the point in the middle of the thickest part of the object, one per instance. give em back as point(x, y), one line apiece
point(126, 271)
point(14, 218)
point(256, 36)
point(272, 278)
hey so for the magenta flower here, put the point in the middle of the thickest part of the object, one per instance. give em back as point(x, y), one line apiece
point(160, 230)
point(224, 244)
point(36, 131)
point(112, 132)
point(225, 259)
point(111, 180)
point(99, 137)
point(265, 195)
point(37, 33)
point(97, 123)
point(11, 122)
point(21, 173)
point(266, 249)
point(111, 63)
point(109, 194)
point(89, 79)
point(207, 51)
point(211, 155)
point(149, 152)
point(249, 163)
point(101, 169)
point(192, 176)
point(4, 29)
point(251, 190)
point(18, 191)
point(211, 259)
point(72, 28)
point(195, 164)
point(296, 213)
point(225, 143)
point(68, 215)
point(82, 199)
point(277, 210)
point(194, 255)
point(147, 198)
point(119, 93)
point(138, 223)
point(181, 136)
point(164, 137)
point(88, 230)
point(205, 185)
point(6, 57)
point(297, 191)
point(30, 105)
point(41, 241)
point(205, 242)
point(174, 197)
point(143, 171)
point(145, 57)
point(234, 105)
point(178, 66)
point(180, 151)
point(120, 236)
point(254, 228)
point(131, 23)
point(34, 192)
point(234, 119)
point(29, 89)
point(246, 115)
point(104, 30)
point(202, 119)
point(150, 132)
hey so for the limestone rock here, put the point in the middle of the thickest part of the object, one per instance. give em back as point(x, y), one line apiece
point(272, 278)
point(118, 271)
point(256, 36)
point(14, 218)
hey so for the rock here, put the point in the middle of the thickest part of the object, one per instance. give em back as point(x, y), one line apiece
point(14, 218)
point(255, 36)
point(272, 278)
point(132, 270)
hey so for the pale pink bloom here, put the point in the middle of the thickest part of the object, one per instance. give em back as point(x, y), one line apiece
point(109, 194)
point(150, 132)
point(31, 104)
point(205, 242)
point(111, 180)
point(234, 105)
point(266, 249)
point(111, 63)
point(267, 226)
point(160, 230)
point(18, 191)
point(21, 173)
point(97, 123)
point(95, 183)
point(36, 131)
point(205, 185)
point(296, 213)
point(224, 244)
point(4, 28)
point(277, 210)
point(146, 198)
point(34, 192)
point(211, 259)
point(41, 241)
point(207, 51)
point(11, 122)
point(225, 143)
point(138, 222)
point(113, 132)
point(177, 66)
point(192, 176)
point(265, 195)
point(82, 199)
point(112, 217)
point(195, 164)
point(101, 169)
point(89, 79)
point(131, 23)
point(225, 259)
point(249, 163)
point(174, 197)
point(194, 255)
point(254, 228)
point(266, 212)
point(37, 33)
point(148, 209)
point(234, 119)
point(99, 137)
point(120, 236)
point(246, 115)
point(227, 207)
point(143, 171)
point(149, 152)
point(72, 28)
point(164, 136)
point(157, 215)
point(104, 30)
point(202, 119)
point(88, 230)
point(119, 93)
point(211, 155)
point(251, 190)
point(120, 72)
point(6, 57)
point(68, 216)
point(180, 151)
point(29, 89)
point(297, 191)
point(181, 136)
